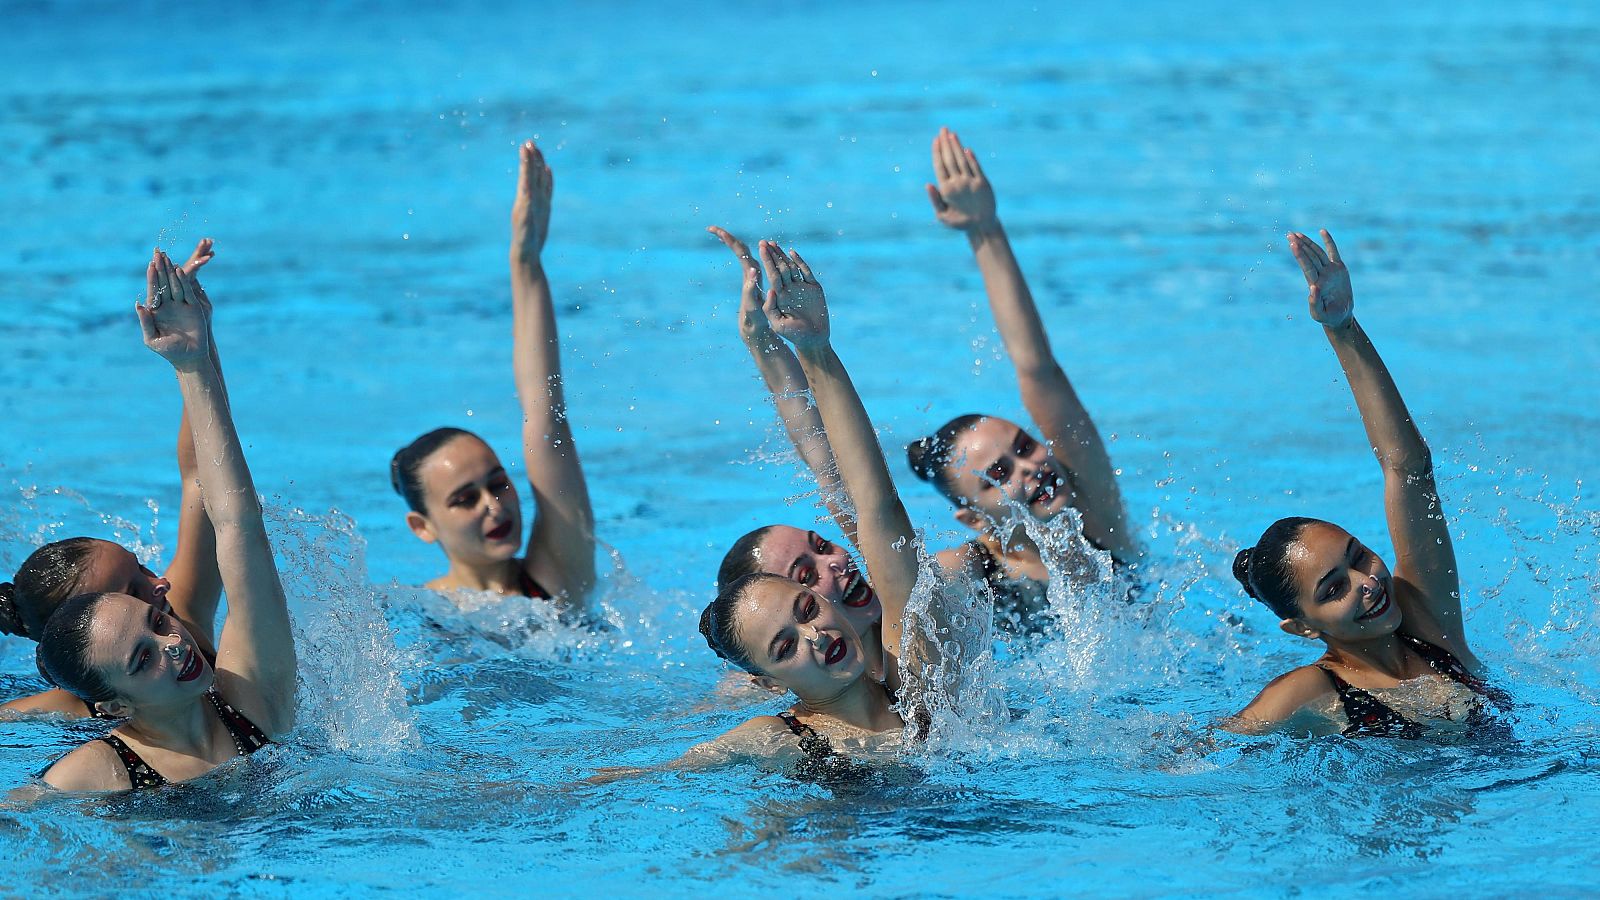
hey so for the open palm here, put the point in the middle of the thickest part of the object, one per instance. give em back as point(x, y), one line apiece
point(1331, 300)
point(795, 306)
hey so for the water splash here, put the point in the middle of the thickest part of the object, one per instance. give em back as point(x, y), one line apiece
point(351, 697)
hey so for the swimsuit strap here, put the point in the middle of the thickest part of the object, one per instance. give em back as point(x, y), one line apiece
point(140, 775)
point(812, 743)
point(247, 738)
point(1445, 663)
point(1368, 714)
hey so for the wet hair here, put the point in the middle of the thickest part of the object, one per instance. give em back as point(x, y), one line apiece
point(47, 578)
point(930, 456)
point(743, 558)
point(717, 623)
point(63, 653)
point(1264, 570)
point(404, 467)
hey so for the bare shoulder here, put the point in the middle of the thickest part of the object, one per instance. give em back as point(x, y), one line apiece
point(1286, 695)
point(92, 767)
point(54, 701)
point(758, 728)
point(757, 737)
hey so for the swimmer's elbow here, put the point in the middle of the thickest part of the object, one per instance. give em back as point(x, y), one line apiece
point(1408, 462)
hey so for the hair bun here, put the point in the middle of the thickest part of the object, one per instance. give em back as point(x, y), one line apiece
point(707, 630)
point(394, 474)
point(920, 454)
point(1241, 570)
point(10, 617)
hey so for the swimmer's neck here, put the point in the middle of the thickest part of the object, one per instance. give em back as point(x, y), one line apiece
point(864, 705)
point(181, 727)
point(1385, 655)
point(500, 577)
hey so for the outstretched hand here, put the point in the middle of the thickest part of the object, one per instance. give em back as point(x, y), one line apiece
point(963, 198)
point(795, 305)
point(202, 254)
point(175, 317)
point(1331, 300)
point(530, 214)
point(753, 324)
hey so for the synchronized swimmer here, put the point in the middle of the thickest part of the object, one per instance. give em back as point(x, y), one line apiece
point(793, 608)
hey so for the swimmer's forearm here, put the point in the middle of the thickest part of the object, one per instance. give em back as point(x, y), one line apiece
point(196, 581)
point(1010, 302)
point(536, 367)
point(786, 381)
point(536, 342)
point(230, 496)
point(1391, 431)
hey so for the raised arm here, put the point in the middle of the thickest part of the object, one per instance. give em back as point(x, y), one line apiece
point(1424, 557)
point(964, 200)
point(196, 582)
point(786, 381)
point(255, 659)
point(560, 554)
point(798, 311)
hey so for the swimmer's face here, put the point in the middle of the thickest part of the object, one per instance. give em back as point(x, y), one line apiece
point(999, 468)
point(798, 639)
point(1343, 590)
point(823, 566)
point(472, 508)
point(110, 568)
point(145, 655)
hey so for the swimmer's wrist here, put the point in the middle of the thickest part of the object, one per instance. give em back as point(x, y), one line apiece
point(1343, 331)
point(986, 232)
point(527, 259)
point(821, 351)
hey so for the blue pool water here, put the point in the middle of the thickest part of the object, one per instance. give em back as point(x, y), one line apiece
point(355, 165)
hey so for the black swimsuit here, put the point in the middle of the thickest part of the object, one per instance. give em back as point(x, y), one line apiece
point(1369, 715)
point(247, 739)
point(1015, 599)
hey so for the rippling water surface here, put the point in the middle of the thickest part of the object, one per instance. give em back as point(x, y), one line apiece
point(355, 165)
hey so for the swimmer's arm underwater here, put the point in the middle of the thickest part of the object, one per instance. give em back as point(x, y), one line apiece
point(764, 737)
point(561, 546)
point(964, 200)
point(1428, 586)
point(786, 381)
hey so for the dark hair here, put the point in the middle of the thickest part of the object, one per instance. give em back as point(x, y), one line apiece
point(405, 464)
point(717, 622)
point(930, 456)
point(63, 653)
point(1264, 570)
point(743, 558)
point(47, 578)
